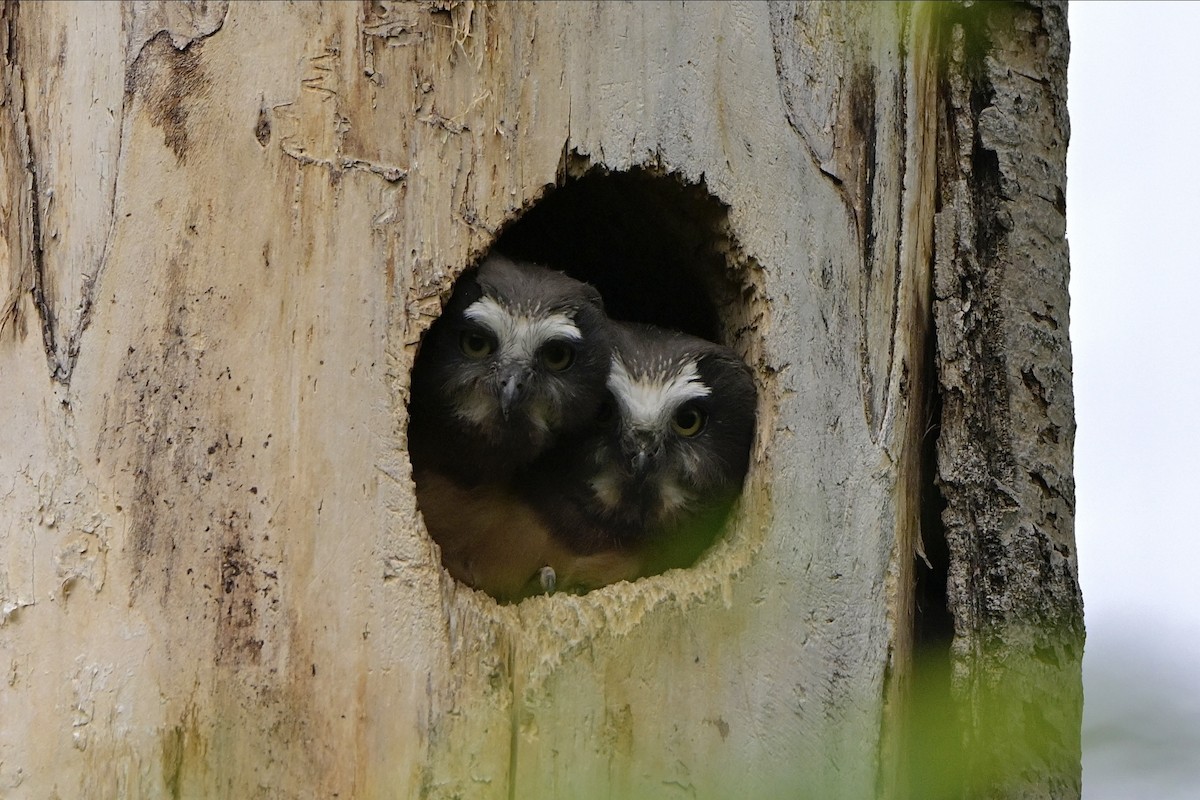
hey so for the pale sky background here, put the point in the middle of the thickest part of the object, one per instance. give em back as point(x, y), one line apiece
point(1133, 219)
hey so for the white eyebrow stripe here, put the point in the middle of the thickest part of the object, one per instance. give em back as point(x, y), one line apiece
point(555, 326)
point(520, 335)
point(489, 313)
point(646, 401)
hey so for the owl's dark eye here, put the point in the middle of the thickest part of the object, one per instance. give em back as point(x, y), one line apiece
point(475, 345)
point(557, 356)
point(688, 421)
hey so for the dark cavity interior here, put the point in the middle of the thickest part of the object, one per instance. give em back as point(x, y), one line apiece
point(653, 246)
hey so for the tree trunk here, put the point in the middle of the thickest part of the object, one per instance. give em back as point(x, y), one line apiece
point(225, 228)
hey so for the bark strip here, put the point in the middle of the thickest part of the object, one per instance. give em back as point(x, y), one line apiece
point(1004, 369)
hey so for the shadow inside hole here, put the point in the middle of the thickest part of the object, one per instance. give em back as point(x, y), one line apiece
point(654, 247)
point(647, 242)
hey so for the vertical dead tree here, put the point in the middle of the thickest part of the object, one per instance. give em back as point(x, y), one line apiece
point(224, 229)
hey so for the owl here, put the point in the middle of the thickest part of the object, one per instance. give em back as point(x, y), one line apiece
point(648, 485)
point(517, 361)
point(518, 358)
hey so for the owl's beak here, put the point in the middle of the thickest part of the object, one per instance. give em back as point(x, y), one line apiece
point(512, 381)
point(641, 460)
point(644, 453)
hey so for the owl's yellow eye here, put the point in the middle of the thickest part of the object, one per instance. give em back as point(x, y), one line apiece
point(557, 356)
point(688, 421)
point(475, 345)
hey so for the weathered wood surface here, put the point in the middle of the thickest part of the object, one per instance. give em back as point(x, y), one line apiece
point(223, 228)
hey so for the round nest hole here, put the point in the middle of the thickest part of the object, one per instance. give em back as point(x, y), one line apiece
point(629, 460)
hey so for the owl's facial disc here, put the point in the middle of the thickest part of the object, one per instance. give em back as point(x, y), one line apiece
point(527, 339)
point(648, 403)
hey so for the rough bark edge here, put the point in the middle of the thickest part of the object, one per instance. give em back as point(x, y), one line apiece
point(1004, 454)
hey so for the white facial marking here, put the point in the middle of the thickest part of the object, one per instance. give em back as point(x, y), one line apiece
point(606, 486)
point(674, 498)
point(544, 417)
point(520, 335)
point(475, 407)
point(647, 401)
point(692, 462)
